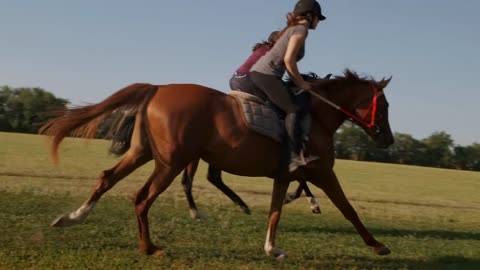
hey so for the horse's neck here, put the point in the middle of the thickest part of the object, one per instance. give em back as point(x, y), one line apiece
point(326, 117)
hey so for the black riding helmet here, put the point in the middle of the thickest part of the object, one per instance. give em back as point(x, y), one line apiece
point(305, 6)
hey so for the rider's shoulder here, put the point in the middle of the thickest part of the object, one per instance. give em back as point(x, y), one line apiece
point(298, 29)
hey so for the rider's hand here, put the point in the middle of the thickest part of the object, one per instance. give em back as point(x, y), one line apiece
point(305, 85)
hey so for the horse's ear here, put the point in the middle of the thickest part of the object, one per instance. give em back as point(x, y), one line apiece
point(384, 82)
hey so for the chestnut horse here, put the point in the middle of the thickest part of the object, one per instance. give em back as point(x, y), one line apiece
point(121, 132)
point(179, 123)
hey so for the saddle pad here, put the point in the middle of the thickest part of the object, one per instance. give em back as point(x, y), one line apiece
point(259, 116)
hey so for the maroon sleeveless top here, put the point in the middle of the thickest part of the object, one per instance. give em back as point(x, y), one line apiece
point(252, 59)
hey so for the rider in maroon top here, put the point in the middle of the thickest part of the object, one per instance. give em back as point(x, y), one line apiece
point(240, 79)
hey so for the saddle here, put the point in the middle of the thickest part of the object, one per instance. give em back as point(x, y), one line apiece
point(260, 116)
point(266, 119)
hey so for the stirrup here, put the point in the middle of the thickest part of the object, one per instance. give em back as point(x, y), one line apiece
point(300, 160)
point(306, 160)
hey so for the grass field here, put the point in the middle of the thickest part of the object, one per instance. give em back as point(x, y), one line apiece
point(429, 218)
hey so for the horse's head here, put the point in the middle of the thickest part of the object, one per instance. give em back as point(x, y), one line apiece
point(359, 99)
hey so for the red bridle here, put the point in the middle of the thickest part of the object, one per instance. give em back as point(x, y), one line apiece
point(371, 109)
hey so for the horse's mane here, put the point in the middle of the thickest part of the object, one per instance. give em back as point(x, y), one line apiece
point(307, 77)
point(347, 76)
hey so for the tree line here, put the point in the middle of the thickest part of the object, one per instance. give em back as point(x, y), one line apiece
point(437, 150)
point(24, 110)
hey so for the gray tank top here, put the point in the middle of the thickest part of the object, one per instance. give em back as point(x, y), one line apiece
point(272, 62)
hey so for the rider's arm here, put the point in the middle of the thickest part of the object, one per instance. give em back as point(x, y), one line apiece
point(295, 43)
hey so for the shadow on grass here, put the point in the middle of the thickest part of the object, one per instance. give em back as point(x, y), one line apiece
point(393, 232)
point(439, 263)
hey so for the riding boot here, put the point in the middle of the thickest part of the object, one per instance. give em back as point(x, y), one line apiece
point(293, 127)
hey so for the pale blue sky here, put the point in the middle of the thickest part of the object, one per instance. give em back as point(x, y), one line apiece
point(85, 50)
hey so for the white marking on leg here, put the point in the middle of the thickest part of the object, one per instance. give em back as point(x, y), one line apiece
point(74, 218)
point(312, 201)
point(314, 205)
point(268, 244)
point(271, 250)
point(197, 215)
point(81, 214)
point(288, 198)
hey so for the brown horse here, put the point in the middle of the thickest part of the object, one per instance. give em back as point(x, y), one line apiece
point(121, 132)
point(180, 123)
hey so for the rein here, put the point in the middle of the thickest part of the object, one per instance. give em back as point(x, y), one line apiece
point(372, 108)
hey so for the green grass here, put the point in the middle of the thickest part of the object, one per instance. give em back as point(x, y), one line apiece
point(429, 218)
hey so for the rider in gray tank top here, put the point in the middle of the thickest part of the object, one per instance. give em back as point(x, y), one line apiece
point(272, 62)
point(267, 75)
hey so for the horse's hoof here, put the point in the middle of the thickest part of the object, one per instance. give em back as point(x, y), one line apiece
point(197, 215)
point(246, 210)
point(277, 253)
point(158, 252)
point(58, 222)
point(153, 251)
point(281, 257)
point(316, 210)
point(382, 250)
point(64, 221)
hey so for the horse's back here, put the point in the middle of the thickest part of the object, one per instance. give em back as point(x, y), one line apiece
point(193, 116)
point(201, 122)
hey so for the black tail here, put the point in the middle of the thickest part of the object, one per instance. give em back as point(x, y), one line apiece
point(122, 135)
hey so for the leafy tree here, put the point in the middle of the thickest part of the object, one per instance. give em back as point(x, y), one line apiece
point(439, 150)
point(5, 93)
point(467, 157)
point(25, 109)
point(351, 142)
point(407, 150)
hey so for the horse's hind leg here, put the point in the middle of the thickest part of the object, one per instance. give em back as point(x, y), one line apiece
point(187, 181)
point(311, 199)
point(291, 197)
point(314, 206)
point(136, 156)
point(158, 182)
point(215, 177)
point(107, 180)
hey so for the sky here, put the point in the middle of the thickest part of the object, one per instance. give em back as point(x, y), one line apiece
point(86, 50)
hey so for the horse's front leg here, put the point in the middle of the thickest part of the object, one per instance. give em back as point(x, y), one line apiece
point(280, 187)
point(332, 188)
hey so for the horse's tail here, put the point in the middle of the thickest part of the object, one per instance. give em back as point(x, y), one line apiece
point(121, 134)
point(83, 121)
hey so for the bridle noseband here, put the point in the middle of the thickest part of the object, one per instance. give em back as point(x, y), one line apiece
point(360, 120)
